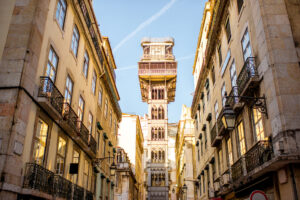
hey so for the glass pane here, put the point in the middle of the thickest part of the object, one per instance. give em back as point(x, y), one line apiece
point(61, 149)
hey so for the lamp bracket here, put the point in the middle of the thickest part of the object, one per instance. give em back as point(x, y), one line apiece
point(99, 160)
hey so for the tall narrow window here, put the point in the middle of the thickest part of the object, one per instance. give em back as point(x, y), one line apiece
point(61, 12)
point(229, 151)
point(40, 139)
point(223, 91)
point(220, 55)
point(75, 159)
point(240, 5)
point(86, 61)
point(61, 155)
point(233, 75)
point(105, 109)
point(90, 124)
point(258, 125)
point(110, 118)
point(100, 97)
point(75, 41)
point(241, 139)
point(246, 45)
point(228, 31)
point(69, 90)
point(86, 174)
point(216, 110)
point(52, 65)
point(94, 80)
point(80, 108)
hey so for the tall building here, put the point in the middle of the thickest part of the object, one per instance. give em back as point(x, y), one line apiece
point(58, 102)
point(246, 102)
point(130, 127)
point(157, 76)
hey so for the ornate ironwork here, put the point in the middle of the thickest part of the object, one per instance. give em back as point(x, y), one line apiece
point(70, 116)
point(220, 125)
point(49, 90)
point(78, 192)
point(92, 143)
point(259, 103)
point(62, 187)
point(260, 153)
point(213, 134)
point(83, 133)
point(248, 71)
point(234, 93)
point(89, 195)
point(237, 170)
point(38, 178)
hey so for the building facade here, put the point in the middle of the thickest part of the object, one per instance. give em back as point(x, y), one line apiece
point(58, 105)
point(247, 70)
point(172, 132)
point(185, 156)
point(157, 76)
point(130, 127)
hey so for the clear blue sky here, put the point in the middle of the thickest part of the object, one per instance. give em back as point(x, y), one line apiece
point(126, 22)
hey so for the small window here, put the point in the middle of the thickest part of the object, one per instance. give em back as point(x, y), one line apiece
point(75, 41)
point(61, 12)
point(94, 81)
point(52, 65)
point(240, 5)
point(228, 31)
point(86, 61)
point(61, 155)
point(69, 90)
point(40, 140)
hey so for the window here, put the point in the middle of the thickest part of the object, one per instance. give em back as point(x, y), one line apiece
point(75, 159)
point(157, 93)
point(80, 108)
point(246, 45)
point(61, 12)
point(52, 65)
point(213, 76)
point(105, 109)
point(220, 55)
point(110, 118)
point(61, 155)
point(216, 110)
point(241, 139)
point(39, 140)
point(229, 151)
point(100, 97)
point(228, 31)
point(86, 61)
point(205, 137)
point(86, 174)
point(233, 75)
point(220, 161)
point(90, 123)
point(94, 80)
point(258, 125)
point(75, 41)
point(240, 5)
point(69, 90)
point(223, 91)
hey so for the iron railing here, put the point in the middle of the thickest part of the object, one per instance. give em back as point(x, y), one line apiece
point(220, 125)
point(233, 97)
point(38, 178)
point(92, 143)
point(49, 90)
point(89, 195)
point(62, 187)
point(237, 169)
point(248, 71)
point(83, 133)
point(213, 133)
point(70, 116)
point(78, 192)
point(260, 153)
point(159, 57)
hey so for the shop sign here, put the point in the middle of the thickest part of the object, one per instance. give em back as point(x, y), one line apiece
point(258, 195)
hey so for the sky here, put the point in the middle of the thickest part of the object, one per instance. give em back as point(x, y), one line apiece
point(126, 22)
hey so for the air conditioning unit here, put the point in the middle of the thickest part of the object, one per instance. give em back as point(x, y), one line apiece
point(225, 179)
point(217, 186)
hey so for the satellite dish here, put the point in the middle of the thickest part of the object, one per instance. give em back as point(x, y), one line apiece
point(258, 195)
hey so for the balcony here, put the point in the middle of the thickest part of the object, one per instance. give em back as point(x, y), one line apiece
point(40, 179)
point(234, 101)
point(92, 143)
point(50, 98)
point(83, 132)
point(248, 77)
point(238, 169)
point(157, 69)
point(214, 136)
point(220, 126)
point(70, 119)
point(260, 153)
point(158, 57)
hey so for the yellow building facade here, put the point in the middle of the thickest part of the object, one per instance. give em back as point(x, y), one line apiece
point(59, 103)
point(244, 106)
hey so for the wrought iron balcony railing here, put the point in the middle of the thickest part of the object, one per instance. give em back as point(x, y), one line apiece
point(220, 125)
point(92, 143)
point(159, 57)
point(215, 138)
point(260, 153)
point(248, 72)
point(62, 187)
point(49, 90)
point(235, 100)
point(78, 192)
point(89, 195)
point(70, 116)
point(38, 178)
point(237, 169)
point(83, 132)
point(157, 71)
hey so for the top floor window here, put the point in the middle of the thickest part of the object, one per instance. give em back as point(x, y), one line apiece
point(69, 90)
point(52, 64)
point(85, 65)
point(246, 45)
point(61, 12)
point(227, 28)
point(75, 41)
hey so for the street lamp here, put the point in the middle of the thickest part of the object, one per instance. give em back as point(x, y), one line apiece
point(228, 117)
point(113, 168)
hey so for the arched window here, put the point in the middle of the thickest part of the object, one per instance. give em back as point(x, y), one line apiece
point(163, 156)
point(160, 112)
point(159, 133)
point(162, 134)
point(154, 112)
